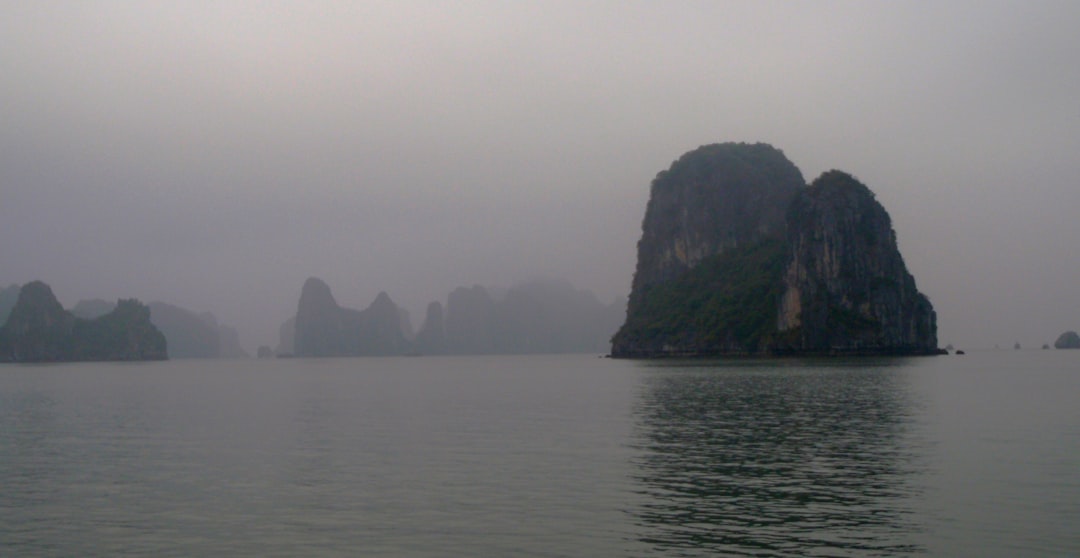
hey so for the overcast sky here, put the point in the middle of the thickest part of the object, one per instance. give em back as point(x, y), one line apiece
point(215, 154)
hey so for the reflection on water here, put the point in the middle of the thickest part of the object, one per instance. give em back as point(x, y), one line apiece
point(771, 459)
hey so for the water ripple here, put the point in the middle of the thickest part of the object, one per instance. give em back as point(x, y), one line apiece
point(757, 461)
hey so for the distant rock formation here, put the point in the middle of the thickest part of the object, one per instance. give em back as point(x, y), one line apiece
point(1068, 340)
point(554, 317)
point(38, 329)
point(471, 324)
point(94, 308)
point(406, 324)
point(431, 339)
point(126, 333)
point(529, 318)
point(325, 329)
point(190, 335)
point(381, 329)
point(8, 296)
point(286, 338)
point(738, 256)
point(229, 341)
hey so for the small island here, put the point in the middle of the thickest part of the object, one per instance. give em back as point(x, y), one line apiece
point(1068, 340)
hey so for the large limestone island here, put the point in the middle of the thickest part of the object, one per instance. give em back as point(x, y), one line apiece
point(38, 329)
point(739, 257)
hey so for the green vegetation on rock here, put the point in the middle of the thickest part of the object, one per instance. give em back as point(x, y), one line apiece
point(739, 256)
point(727, 304)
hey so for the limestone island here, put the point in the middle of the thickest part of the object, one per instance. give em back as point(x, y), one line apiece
point(38, 329)
point(738, 256)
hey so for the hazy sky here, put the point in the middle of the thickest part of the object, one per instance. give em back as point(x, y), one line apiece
point(215, 154)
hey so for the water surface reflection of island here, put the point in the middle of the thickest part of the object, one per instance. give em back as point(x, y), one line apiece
point(777, 458)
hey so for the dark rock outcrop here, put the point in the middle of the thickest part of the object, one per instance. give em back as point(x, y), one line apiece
point(38, 329)
point(1067, 340)
point(188, 334)
point(325, 329)
point(125, 333)
point(720, 273)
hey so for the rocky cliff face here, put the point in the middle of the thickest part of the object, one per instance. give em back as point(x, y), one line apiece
point(325, 329)
point(742, 258)
point(712, 199)
point(846, 288)
point(40, 330)
point(229, 338)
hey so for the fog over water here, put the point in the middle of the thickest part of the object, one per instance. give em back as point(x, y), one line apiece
point(213, 155)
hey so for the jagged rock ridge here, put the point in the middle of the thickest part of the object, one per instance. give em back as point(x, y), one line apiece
point(827, 278)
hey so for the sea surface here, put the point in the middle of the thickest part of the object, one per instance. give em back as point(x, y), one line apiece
point(569, 455)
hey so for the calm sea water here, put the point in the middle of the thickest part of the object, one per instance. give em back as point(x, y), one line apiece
point(975, 455)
